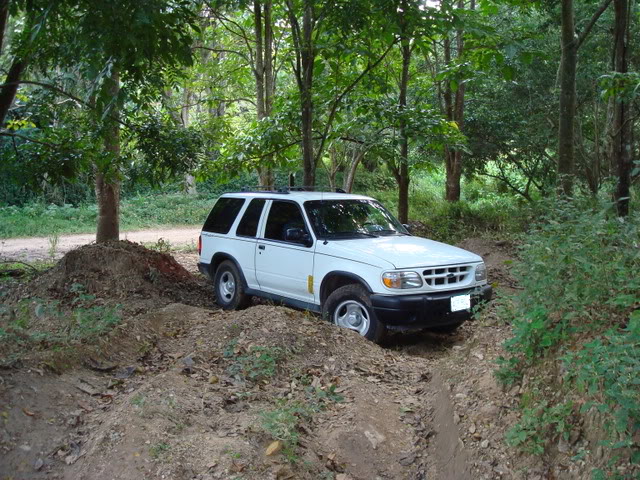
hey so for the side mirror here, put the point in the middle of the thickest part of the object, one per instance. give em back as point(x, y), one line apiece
point(293, 234)
point(298, 235)
point(408, 227)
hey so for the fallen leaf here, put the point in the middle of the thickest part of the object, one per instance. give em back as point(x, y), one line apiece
point(273, 448)
point(28, 412)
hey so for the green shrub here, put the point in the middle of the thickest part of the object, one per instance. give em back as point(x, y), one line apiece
point(578, 270)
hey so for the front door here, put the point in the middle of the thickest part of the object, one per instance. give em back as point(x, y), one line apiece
point(284, 267)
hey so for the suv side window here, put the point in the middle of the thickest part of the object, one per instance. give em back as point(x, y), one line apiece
point(222, 215)
point(248, 226)
point(282, 216)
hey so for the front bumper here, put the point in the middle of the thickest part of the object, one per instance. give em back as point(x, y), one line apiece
point(425, 310)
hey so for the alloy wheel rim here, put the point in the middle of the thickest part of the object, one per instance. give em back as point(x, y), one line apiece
point(227, 287)
point(352, 315)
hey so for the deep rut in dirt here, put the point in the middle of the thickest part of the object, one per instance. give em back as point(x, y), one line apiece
point(209, 393)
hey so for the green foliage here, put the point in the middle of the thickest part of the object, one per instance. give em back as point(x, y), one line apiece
point(159, 449)
point(538, 425)
point(482, 208)
point(164, 151)
point(257, 364)
point(282, 423)
point(35, 324)
point(138, 212)
point(585, 256)
point(607, 369)
point(578, 269)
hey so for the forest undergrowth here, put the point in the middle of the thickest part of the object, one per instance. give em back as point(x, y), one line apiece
point(576, 333)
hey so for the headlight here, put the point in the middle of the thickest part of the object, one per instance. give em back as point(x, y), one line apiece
point(481, 272)
point(402, 280)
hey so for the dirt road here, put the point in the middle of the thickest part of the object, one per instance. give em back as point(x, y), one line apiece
point(186, 391)
point(46, 248)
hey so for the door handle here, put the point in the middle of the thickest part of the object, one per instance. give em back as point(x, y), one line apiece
point(261, 247)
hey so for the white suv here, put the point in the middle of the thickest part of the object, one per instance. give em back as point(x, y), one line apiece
point(344, 256)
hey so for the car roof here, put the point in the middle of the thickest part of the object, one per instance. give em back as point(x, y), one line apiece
point(300, 196)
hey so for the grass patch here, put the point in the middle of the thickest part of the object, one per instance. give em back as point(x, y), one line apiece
point(283, 422)
point(136, 213)
point(257, 364)
point(481, 209)
point(36, 325)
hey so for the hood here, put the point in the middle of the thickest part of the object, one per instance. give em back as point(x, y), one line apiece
point(400, 251)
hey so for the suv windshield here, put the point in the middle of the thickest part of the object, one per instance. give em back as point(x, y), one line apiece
point(351, 218)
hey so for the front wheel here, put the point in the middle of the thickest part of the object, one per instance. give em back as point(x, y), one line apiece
point(229, 288)
point(350, 307)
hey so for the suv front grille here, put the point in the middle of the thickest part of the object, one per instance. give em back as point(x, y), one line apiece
point(444, 276)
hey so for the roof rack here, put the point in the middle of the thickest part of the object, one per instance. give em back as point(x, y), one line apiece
point(287, 190)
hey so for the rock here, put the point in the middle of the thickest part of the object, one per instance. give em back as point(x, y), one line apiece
point(563, 446)
point(484, 443)
point(488, 412)
point(38, 465)
point(273, 448)
point(456, 418)
point(213, 379)
point(407, 459)
point(126, 372)
point(472, 428)
point(374, 437)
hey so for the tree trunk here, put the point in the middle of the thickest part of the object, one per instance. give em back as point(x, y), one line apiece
point(403, 167)
point(454, 105)
point(307, 57)
point(566, 130)
point(107, 182)
point(185, 115)
point(350, 176)
point(8, 93)
point(622, 121)
point(263, 73)
point(403, 179)
point(4, 16)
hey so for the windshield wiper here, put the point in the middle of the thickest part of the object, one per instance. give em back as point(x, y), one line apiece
point(391, 231)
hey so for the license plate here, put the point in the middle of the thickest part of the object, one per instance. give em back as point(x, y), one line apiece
point(460, 302)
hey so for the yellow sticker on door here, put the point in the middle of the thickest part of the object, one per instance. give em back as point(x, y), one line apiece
point(310, 283)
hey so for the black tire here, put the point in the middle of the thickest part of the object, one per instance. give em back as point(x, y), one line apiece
point(445, 328)
point(357, 298)
point(229, 288)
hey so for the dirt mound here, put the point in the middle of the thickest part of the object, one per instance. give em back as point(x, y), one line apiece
point(118, 271)
point(220, 388)
point(92, 303)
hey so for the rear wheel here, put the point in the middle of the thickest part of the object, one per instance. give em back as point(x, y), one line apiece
point(229, 288)
point(350, 307)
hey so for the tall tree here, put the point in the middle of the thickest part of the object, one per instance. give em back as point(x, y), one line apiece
point(264, 74)
point(402, 172)
point(124, 48)
point(570, 44)
point(107, 179)
point(622, 148)
point(35, 16)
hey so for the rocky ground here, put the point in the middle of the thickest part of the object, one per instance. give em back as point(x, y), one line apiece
point(181, 390)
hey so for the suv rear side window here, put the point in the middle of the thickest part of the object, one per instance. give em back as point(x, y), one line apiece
point(248, 226)
point(222, 215)
point(283, 215)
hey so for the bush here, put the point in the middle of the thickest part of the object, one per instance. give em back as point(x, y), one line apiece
point(581, 291)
